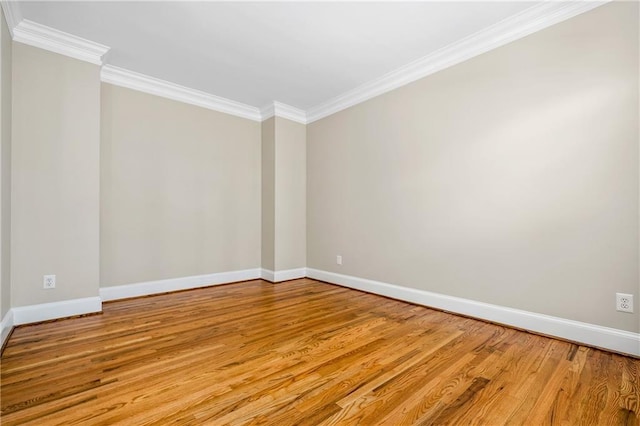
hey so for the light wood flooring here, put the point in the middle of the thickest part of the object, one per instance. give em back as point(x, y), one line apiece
point(303, 353)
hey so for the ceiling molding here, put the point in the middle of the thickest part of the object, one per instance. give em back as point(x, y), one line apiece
point(165, 89)
point(12, 14)
point(284, 111)
point(37, 35)
point(268, 111)
point(517, 26)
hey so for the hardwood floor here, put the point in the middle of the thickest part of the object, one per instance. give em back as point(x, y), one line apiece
point(303, 353)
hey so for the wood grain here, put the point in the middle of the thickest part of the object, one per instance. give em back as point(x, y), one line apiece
point(303, 353)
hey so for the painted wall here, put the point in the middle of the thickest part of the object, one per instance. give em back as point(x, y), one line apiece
point(180, 189)
point(268, 193)
point(290, 195)
point(283, 194)
point(55, 176)
point(511, 178)
point(5, 167)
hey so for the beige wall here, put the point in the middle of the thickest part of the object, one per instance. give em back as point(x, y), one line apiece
point(180, 189)
point(55, 176)
point(511, 178)
point(268, 193)
point(283, 194)
point(5, 167)
point(290, 195)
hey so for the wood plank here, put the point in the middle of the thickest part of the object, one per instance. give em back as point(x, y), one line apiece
point(302, 353)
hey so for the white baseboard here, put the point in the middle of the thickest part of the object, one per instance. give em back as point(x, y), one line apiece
point(290, 274)
point(7, 325)
point(590, 334)
point(175, 284)
point(55, 310)
point(267, 274)
point(278, 276)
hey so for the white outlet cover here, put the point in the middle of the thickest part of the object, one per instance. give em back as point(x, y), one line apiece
point(339, 260)
point(49, 281)
point(624, 302)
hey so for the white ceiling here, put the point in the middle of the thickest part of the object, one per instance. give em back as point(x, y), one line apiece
point(301, 54)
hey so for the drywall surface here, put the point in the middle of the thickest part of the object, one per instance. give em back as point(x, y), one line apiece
point(180, 189)
point(510, 179)
point(54, 176)
point(268, 193)
point(284, 194)
point(5, 167)
point(290, 194)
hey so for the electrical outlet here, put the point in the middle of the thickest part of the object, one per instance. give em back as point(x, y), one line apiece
point(339, 260)
point(49, 281)
point(624, 302)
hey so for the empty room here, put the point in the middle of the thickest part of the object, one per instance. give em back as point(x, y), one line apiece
point(320, 213)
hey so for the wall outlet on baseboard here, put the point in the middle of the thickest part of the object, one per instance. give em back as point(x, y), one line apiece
point(49, 281)
point(624, 302)
point(339, 260)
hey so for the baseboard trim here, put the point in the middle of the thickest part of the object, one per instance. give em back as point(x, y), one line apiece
point(290, 274)
point(56, 310)
point(589, 334)
point(7, 326)
point(286, 275)
point(175, 284)
point(268, 275)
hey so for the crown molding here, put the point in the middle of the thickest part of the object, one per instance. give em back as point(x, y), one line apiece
point(12, 14)
point(520, 25)
point(278, 109)
point(165, 89)
point(515, 27)
point(37, 35)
